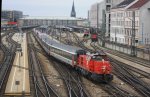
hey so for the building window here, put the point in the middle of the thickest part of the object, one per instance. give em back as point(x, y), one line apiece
point(108, 1)
point(136, 13)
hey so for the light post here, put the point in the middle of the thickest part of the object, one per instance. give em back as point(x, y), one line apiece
point(115, 39)
point(133, 48)
point(103, 28)
point(133, 42)
point(142, 32)
point(0, 40)
point(149, 52)
point(60, 34)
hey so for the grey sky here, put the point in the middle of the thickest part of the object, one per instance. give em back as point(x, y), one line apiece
point(49, 7)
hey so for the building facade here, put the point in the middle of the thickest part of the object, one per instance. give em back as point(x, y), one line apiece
point(109, 4)
point(11, 15)
point(99, 14)
point(122, 19)
point(117, 27)
point(93, 15)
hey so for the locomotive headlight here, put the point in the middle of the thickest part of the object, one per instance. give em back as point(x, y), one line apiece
point(103, 69)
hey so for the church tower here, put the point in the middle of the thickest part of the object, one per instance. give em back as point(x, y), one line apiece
point(73, 12)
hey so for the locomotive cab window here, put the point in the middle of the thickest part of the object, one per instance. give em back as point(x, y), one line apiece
point(97, 57)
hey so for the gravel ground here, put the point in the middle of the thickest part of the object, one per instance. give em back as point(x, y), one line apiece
point(123, 85)
point(93, 89)
point(98, 92)
point(51, 73)
point(53, 76)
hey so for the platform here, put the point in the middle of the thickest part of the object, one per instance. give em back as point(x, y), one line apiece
point(18, 82)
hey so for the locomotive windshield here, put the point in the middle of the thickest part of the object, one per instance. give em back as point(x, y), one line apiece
point(99, 57)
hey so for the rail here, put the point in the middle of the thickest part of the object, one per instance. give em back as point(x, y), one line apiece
point(41, 85)
point(5, 67)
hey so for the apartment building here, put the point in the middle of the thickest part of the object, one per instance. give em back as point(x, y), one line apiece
point(95, 14)
point(142, 22)
point(117, 31)
point(122, 19)
point(109, 4)
point(99, 14)
point(11, 15)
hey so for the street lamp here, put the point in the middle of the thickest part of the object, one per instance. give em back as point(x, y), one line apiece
point(133, 42)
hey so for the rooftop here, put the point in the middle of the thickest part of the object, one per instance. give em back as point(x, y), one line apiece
point(11, 10)
point(123, 4)
point(52, 18)
point(61, 46)
point(139, 4)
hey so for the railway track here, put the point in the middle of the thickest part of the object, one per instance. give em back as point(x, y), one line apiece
point(130, 78)
point(69, 38)
point(143, 73)
point(41, 85)
point(80, 43)
point(111, 87)
point(124, 72)
point(5, 67)
point(127, 57)
point(71, 80)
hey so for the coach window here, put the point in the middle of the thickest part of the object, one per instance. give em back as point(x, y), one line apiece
point(58, 51)
point(68, 55)
point(63, 53)
point(52, 49)
point(55, 50)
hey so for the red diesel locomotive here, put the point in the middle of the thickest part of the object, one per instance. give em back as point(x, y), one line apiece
point(95, 66)
point(94, 37)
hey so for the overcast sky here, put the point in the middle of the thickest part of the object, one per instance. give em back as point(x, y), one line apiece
point(49, 7)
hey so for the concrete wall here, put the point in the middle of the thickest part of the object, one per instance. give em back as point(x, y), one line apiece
point(141, 53)
point(100, 13)
point(93, 15)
